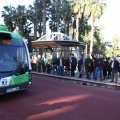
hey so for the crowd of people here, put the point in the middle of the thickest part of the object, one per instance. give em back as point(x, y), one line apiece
point(94, 67)
point(102, 67)
point(55, 65)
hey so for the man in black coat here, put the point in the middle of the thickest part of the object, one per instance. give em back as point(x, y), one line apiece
point(87, 61)
point(73, 64)
point(115, 68)
point(99, 66)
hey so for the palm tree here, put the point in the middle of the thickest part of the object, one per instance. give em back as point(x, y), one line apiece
point(34, 14)
point(40, 18)
point(52, 19)
point(66, 15)
point(8, 15)
point(20, 18)
point(44, 15)
point(16, 17)
point(36, 19)
point(54, 15)
point(97, 9)
point(31, 15)
point(27, 30)
point(57, 10)
point(79, 8)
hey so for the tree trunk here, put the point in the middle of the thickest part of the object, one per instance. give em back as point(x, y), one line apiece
point(58, 26)
point(86, 50)
point(65, 27)
point(35, 35)
point(44, 17)
point(77, 27)
point(92, 32)
point(68, 28)
point(35, 25)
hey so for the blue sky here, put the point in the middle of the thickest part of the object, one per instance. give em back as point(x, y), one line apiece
point(110, 19)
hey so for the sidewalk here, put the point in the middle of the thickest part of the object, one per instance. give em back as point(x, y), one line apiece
point(106, 80)
point(84, 81)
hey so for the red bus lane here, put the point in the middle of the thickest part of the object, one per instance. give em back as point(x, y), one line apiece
point(50, 99)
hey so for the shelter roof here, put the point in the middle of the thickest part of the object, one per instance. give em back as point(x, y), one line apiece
point(56, 39)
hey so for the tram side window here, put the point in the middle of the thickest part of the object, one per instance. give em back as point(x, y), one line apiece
point(22, 55)
point(21, 52)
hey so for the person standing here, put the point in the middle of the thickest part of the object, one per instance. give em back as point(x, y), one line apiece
point(93, 68)
point(90, 70)
point(35, 63)
point(67, 66)
point(115, 69)
point(105, 67)
point(109, 68)
point(48, 66)
point(61, 65)
point(54, 63)
point(82, 71)
point(80, 64)
point(32, 62)
point(99, 66)
point(43, 62)
point(73, 64)
point(87, 61)
point(39, 63)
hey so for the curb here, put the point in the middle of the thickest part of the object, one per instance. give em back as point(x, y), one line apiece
point(81, 81)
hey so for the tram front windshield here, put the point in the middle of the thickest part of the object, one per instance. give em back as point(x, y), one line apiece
point(13, 57)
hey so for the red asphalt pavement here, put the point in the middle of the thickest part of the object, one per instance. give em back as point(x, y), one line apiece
point(50, 99)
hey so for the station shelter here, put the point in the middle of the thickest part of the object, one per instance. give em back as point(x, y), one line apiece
point(57, 43)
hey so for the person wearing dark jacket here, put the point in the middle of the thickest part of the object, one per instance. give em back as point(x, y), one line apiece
point(93, 68)
point(115, 69)
point(73, 64)
point(99, 66)
point(54, 63)
point(67, 65)
point(109, 68)
point(87, 61)
point(80, 63)
point(39, 63)
point(105, 67)
point(61, 65)
point(89, 71)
